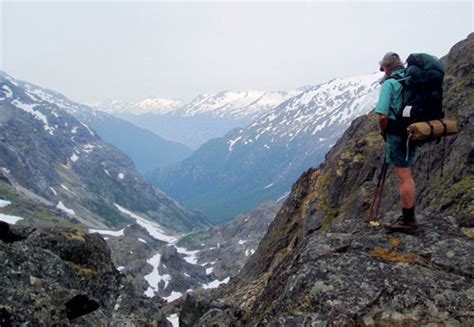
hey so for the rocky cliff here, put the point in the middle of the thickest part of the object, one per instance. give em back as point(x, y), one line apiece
point(65, 277)
point(321, 264)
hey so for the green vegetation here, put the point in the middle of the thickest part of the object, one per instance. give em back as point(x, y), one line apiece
point(33, 214)
point(81, 272)
point(74, 235)
point(105, 211)
point(198, 237)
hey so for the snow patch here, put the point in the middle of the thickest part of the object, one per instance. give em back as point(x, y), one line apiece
point(5, 170)
point(87, 127)
point(141, 240)
point(154, 278)
point(108, 232)
point(268, 186)
point(242, 242)
point(249, 252)
point(173, 319)
point(10, 219)
point(154, 229)
point(215, 283)
point(231, 143)
point(284, 196)
point(65, 187)
point(88, 148)
point(7, 218)
point(62, 207)
point(74, 157)
point(8, 92)
point(120, 176)
point(4, 203)
point(29, 108)
point(189, 256)
point(173, 296)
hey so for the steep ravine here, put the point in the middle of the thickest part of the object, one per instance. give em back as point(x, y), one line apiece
point(321, 264)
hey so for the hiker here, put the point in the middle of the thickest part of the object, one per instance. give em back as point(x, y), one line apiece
point(389, 106)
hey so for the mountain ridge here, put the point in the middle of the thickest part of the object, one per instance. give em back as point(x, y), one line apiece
point(61, 160)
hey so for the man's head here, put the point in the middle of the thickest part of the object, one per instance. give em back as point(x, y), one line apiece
point(390, 62)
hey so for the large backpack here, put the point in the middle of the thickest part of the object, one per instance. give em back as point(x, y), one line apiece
point(422, 92)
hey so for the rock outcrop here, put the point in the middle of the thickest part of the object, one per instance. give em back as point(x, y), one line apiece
point(321, 264)
point(58, 276)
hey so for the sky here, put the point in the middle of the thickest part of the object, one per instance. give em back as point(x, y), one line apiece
point(95, 51)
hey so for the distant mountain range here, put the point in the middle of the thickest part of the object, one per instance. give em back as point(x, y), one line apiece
point(51, 158)
point(207, 116)
point(232, 174)
point(147, 150)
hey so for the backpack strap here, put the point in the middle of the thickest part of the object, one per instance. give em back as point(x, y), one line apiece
point(431, 129)
point(402, 81)
point(445, 132)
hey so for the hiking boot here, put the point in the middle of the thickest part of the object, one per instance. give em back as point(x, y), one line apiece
point(401, 225)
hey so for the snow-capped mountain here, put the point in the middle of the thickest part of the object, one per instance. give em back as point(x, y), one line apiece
point(248, 165)
point(147, 149)
point(316, 111)
point(49, 156)
point(239, 105)
point(159, 106)
point(207, 116)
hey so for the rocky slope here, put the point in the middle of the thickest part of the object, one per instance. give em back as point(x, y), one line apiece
point(225, 249)
point(170, 267)
point(52, 158)
point(146, 149)
point(321, 264)
point(233, 174)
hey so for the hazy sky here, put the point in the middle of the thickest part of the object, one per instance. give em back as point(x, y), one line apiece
point(92, 51)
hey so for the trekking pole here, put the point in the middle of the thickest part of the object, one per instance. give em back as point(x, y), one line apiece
point(384, 174)
point(376, 193)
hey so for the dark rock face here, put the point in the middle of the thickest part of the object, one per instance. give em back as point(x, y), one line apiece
point(354, 274)
point(199, 309)
point(57, 276)
point(320, 264)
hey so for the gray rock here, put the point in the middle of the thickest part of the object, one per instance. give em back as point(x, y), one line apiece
point(58, 276)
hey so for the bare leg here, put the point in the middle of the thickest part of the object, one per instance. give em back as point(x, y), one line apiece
point(407, 187)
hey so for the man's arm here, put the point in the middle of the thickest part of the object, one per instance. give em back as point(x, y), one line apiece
point(383, 124)
point(383, 108)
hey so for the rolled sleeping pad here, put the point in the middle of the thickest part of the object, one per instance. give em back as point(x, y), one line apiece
point(433, 129)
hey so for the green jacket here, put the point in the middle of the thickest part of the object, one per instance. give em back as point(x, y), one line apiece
point(391, 96)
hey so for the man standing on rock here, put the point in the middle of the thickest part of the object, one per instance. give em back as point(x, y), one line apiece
point(390, 106)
